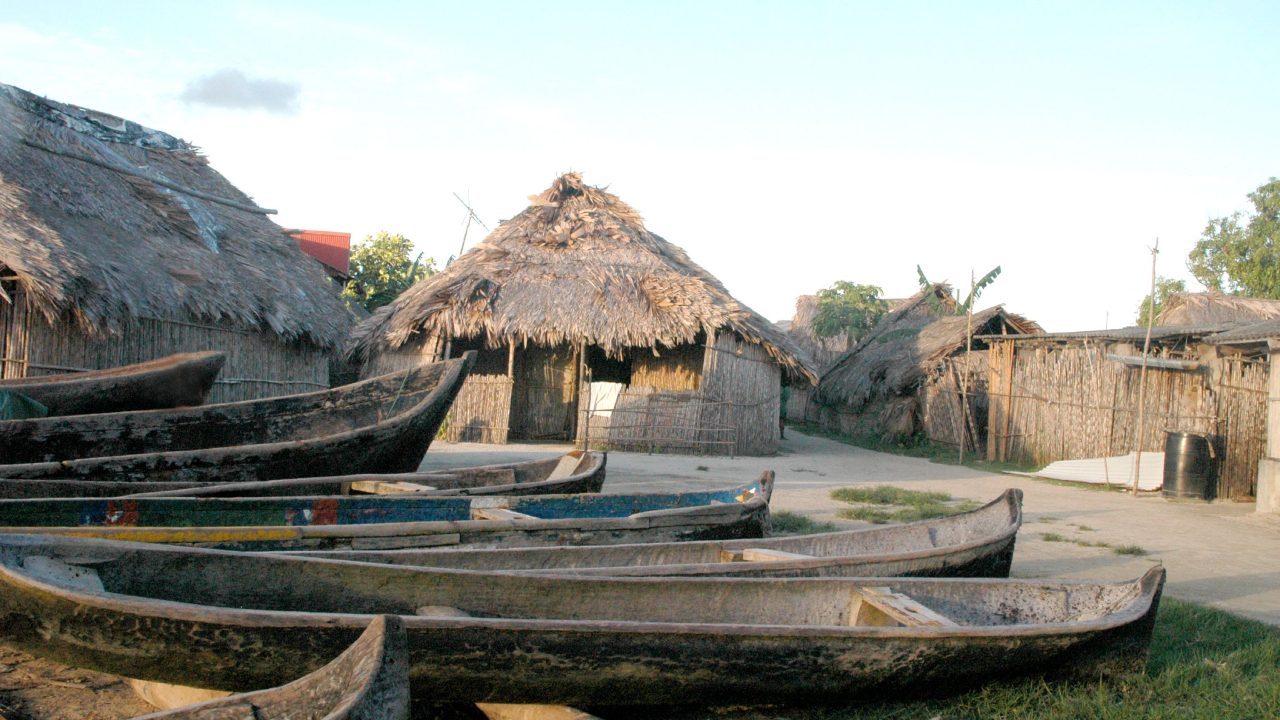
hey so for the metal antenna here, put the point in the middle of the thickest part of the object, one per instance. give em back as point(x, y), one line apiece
point(471, 217)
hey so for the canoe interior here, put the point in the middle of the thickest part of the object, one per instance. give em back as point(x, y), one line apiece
point(524, 478)
point(368, 681)
point(995, 521)
point(249, 422)
point(267, 582)
point(343, 510)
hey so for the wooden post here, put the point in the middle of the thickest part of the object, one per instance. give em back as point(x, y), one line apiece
point(511, 360)
point(1142, 377)
point(964, 379)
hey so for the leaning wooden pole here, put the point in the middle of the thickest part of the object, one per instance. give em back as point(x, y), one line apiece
point(964, 379)
point(1142, 376)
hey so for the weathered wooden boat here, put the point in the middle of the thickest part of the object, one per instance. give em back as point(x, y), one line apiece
point(380, 425)
point(167, 382)
point(391, 521)
point(978, 543)
point(179, 615)
point(368, 681)
point(573, 472)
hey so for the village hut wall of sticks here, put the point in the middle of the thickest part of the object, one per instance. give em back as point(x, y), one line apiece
point(916, 373)
point(591, 328)
point(1083, 395)
point(119, 244)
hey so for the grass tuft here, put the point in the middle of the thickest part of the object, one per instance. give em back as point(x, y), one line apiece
point(1053, 537)
point(703, 468)
point(907, 505)
point(789, 523)
point(1134, 550)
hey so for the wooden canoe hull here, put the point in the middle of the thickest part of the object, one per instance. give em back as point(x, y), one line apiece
point(580, 641)
point(328, 441)
point(589, 477)
point(168, 382)
point(368, 681)
point(978, 543)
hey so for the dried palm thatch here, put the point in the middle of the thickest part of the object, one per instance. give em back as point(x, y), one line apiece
point(577, 265)
point(1215, 307)
point(902, 350)
point(103, 221)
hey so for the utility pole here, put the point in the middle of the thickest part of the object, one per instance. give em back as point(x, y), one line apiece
point(1142, 377)
point(471, 217)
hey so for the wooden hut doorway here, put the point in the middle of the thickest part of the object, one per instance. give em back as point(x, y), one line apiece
point(544, 399)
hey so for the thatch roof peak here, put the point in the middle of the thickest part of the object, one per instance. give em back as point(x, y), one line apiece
point(578, 264)
point(106, 220)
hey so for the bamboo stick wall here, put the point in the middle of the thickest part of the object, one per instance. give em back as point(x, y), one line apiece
point(1051, 403)
point(258, 364)
point(744, 387)
point(945, 418)
point(479, 413)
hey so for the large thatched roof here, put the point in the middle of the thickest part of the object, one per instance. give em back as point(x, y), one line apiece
point(105, 220)
point(1215, 307)
point(905, 346)
point(577, 264)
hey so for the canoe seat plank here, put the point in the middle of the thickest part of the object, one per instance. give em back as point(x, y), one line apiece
point(565, 468)
point(440, 611)
point(502, 711)
point(484, 513)
point(379, 487)
point(760, 555)
point(881, 606)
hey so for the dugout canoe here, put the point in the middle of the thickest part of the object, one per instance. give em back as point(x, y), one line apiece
point(179, 615)
point(167, 382)
point(573, 472)
point(585, 474)
point(399, 521)
point(978, 543)
point(382, 425)
point(368, 681)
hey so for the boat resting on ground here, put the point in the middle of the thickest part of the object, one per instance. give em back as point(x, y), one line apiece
point(167, 382)
point(573, 472)
point(398, 521)
point(180, 615)
point(368, 681)
point(978, 543)
point(375, 426)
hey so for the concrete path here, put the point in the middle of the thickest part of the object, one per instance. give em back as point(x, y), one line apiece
point(1221, 554)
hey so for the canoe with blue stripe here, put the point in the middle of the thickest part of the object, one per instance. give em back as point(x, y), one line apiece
point(391, 521)
point(383, 425)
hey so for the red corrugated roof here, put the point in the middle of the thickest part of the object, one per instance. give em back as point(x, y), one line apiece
point(331, 248)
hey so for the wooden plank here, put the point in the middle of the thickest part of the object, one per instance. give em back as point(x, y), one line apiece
point(568, 463)
point(398, 542)
point(440, 611)
point(880, 606)
point(379, 487)
point(506, 711)
point(484, 513)
point(760, 555)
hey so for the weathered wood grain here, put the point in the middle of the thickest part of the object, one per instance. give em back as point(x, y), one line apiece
point(167, 382)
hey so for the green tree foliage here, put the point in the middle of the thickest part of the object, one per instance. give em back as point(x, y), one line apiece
point(962, 307)
point(1239, 254)
point(381, 269)
point(848, 309)
point(1164, 288)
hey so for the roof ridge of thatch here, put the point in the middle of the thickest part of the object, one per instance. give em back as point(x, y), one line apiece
point(578, 263)
point(1194, 308)
point(106, 220)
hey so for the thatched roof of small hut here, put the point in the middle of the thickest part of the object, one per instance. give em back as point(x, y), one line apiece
point(906, 345)
point(106, 220)
point(577, 265)
point(1214, 307)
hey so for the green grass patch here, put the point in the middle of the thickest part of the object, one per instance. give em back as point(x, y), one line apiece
point(884, 504)
point(703, 468)
point(1053, 537)
point(1204, 664)
point(1085, 528)
point(1134, 550)
point(789, 523)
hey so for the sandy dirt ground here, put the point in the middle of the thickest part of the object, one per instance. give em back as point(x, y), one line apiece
point(1220, 554)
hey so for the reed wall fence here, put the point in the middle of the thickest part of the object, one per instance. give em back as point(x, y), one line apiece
point(1050, 403)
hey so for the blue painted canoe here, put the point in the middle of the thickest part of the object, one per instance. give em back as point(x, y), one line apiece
point(389, 521)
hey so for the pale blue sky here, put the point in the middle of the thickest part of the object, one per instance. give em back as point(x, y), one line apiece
point(784, 145)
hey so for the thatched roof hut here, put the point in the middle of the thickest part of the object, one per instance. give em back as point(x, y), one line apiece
point(882, 385)
point(118, 242)
point(1208, 308)
point(578, 270)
